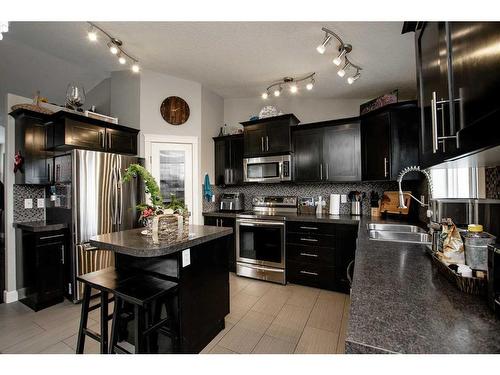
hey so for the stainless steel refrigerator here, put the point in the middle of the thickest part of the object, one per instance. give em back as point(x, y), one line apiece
point(90, 192)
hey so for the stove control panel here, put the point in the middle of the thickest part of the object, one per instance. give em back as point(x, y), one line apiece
point(274, 201)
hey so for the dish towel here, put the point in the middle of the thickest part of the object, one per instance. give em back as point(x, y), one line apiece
point(207, 189)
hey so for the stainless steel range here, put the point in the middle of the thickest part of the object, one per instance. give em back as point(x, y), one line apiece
point(260, 238)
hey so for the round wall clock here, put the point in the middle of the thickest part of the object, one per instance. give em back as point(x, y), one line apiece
point(174, 110)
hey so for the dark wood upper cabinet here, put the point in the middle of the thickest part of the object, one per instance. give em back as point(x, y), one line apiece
point(121, 141)
point(308, 154)
point(389, 141)
point(342, 152)
point(229, 160)
point(457, 79)
point(31, 141)
point(327, 151)
point(269, 136)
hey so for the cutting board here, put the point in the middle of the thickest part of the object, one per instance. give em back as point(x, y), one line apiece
point(390, 202)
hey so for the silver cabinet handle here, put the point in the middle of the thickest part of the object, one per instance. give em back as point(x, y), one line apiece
point(434, 122)
point(309, 255)
point(385, 167)
point(311, 228)
point(267, 143)
point(326, 167)
point(62, 254)
point(262, 143)
point(321, 171)
point(309, 239)
point(53, 236)
point(309, 273)
point(348, 271)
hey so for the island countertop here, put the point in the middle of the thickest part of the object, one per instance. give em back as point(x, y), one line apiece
point(132, 242)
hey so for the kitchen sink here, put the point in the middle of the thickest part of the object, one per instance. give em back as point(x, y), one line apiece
point(398, 233)
point(396, 228)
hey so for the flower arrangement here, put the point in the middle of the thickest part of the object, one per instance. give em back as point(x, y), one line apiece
point(148, 211)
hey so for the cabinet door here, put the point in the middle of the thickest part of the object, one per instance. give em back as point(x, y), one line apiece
point(433, 77)
point(277, 138)
point(121, 141)
point(37, 166)
point(308, 155)
point(376, 143)
point(254, 140)
point(231, 250)
point(220, 161)
point(209, 220)
point(342, 153)
point(475, 60)
point(50, 260)
point(236, 161)
point(344, 254)
point(83, 135)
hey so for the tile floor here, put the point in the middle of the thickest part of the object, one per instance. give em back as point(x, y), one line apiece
point(265, 318)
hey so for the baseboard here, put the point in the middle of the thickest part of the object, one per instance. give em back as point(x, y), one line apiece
point(10, 296)
point(21, 293)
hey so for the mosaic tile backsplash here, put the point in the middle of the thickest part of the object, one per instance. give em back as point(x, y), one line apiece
point(22, 192)
point(492, 176)
point(308, 190)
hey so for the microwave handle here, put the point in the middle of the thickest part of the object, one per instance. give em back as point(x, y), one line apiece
point(281, 170)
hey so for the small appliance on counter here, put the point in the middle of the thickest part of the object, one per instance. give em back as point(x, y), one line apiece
point(494, 277)
point(232, 202)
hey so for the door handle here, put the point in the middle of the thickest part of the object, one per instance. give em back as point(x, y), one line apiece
point(102, 139)
point(385, 167)
point(434, 122)
point(53, 236)
point(309, 255)
point(262, 143)
point(349, 267)
point(267, 143)
point(62, 254)
point(311, 228)
point(109, 139)
point(326, 167)
point(309, 239)
point(309, 273)
point(321, 171)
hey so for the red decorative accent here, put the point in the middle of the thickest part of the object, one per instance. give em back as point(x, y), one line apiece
point(18, 162)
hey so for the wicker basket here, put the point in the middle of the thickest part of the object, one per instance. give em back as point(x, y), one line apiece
point(470, 285)
point(171, 228)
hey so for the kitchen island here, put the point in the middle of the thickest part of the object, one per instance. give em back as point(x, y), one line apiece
point(197, 262)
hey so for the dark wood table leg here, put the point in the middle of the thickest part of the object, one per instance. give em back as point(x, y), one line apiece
point(139, 329)
point(80, 344)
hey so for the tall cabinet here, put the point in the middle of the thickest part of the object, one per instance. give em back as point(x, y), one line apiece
point(229, 160)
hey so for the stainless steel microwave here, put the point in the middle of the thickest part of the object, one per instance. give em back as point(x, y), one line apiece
point(267, 169)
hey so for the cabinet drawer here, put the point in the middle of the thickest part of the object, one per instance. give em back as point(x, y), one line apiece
point(311, 275)
point(311, 254)
point(304, 227)
point(311, 239)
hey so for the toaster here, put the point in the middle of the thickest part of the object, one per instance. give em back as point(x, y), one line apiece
point(231, 202)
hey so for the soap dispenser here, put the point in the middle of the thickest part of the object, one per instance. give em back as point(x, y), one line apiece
point(319, 207)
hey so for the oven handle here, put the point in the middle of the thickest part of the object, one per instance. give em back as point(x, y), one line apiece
point(259, 223)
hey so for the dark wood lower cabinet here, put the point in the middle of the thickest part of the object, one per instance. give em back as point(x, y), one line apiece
point(318, 254)
point(227, 222)
point(43, 256)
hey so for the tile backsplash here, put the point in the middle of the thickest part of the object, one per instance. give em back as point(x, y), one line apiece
point(22, 192)
point(492, 177)
point(309, 190)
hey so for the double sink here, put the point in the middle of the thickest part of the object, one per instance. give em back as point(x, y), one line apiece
point(398, 233)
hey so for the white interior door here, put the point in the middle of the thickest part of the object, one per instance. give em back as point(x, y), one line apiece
point(172, 167)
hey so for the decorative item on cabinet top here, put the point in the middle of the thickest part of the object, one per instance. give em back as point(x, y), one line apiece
point(379, 102)
point(35, 106)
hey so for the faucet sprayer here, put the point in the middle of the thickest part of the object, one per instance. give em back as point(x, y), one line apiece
point(415, 168)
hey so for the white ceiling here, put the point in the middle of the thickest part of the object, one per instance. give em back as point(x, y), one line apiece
point(239, 59)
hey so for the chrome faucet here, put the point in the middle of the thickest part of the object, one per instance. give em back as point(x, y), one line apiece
point(415, 168)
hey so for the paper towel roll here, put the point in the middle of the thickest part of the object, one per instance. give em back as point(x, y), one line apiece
point(334, 204)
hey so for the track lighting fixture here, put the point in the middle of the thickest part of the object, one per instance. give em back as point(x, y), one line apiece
point(322, 47)
point(115, 46)
point(341, 72)
point(353, 78)
point(288, 82)
point(4, 28)
point(343, 50)
point(92, 34)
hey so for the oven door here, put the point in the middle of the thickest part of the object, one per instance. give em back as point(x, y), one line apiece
point(260, 242)
point(265, 169)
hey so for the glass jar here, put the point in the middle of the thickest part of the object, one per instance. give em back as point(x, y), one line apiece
point(476, 247)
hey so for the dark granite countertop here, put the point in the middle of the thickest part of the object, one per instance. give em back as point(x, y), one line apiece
point(401, 304)
point(40, 226)
point(132, 242)
point(221, 214)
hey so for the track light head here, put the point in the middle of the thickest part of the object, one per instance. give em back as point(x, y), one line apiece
point(343, 50)
point(92, 34)
point(341, 72)
point(353, 78)
point(277, 92)
point(293, 88)
point(135, 67)
point(265, 95)
point(121, 59)
point(322, 47)
point(4, 26)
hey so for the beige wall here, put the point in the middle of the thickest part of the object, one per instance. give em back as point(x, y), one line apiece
point(212, 118)
point(306, 109)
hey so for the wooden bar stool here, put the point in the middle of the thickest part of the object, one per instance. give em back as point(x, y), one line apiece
point(147, 295)
point(105, 281)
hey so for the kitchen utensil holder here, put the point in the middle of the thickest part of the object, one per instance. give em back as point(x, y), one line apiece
point(356, 208)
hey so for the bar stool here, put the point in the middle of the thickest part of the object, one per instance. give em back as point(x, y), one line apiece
point(105, 281)
point(147, 295)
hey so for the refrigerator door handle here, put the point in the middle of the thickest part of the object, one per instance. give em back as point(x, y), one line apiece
point(114, 207)
point(120, 195)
